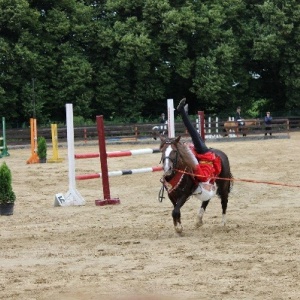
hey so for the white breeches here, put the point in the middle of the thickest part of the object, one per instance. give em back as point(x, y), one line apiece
point(205, 191)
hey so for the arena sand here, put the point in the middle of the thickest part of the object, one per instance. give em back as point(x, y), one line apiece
point(131, 251)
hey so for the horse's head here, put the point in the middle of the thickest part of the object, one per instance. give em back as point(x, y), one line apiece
point(170, 155)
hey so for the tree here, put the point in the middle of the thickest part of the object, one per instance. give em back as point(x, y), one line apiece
point(125, 58)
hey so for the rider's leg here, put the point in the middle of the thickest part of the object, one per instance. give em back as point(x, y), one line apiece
point(198, 142)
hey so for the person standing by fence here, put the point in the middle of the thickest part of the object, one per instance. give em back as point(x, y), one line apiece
point(238, 117)
point(268, 123)
point(163, 124)
point(162, 119)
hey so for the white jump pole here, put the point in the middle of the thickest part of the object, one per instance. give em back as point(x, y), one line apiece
point(72, 197)
point(209, 128)
point(171, 125)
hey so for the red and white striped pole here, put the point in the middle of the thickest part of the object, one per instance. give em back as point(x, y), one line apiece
point(120, 172)
point(118, 153)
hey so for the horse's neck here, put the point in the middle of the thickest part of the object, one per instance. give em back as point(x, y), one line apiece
point(183, 168)
point(188, 157)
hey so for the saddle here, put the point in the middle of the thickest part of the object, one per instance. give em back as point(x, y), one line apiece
point(209, 166)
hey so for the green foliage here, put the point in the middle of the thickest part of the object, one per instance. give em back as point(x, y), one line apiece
point(261, 105)
point(80, 121)
point(42, 148)
point(6, 192)
point(125, 58)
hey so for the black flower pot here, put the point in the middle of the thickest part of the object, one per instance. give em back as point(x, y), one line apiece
point(6, 209)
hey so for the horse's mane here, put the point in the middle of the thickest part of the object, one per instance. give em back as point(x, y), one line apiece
point(187, 155)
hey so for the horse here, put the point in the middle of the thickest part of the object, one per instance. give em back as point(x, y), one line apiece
point(158, 130)
point(237, 128)
point(180, 184)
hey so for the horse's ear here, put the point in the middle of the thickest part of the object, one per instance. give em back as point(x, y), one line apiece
point(178, 139)
point(162, 140)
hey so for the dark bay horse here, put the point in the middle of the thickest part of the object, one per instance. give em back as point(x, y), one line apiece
point(234, 127)
point(180, 183)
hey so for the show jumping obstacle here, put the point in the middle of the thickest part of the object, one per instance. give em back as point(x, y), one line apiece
point(55, 158)
point(3, 145)
point(33, 159)
point(201, 122)
point(104, 167)
point(171, 123)
point(119, 173)
point(73, 196)
point(118, 153)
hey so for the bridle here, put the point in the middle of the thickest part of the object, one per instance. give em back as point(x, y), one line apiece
point(173, 181)
point(174, 161)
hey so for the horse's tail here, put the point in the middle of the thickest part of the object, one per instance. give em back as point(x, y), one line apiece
point(225, 177)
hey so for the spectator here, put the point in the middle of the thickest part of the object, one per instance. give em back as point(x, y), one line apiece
point(163, 128)
point(238, 117)
point(268, 123)
point(162, 119)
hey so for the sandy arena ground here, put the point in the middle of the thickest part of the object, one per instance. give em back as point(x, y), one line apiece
point(131, 251)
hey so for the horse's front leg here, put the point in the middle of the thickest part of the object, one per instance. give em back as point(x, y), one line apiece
point(176, 214)
point(200, 215)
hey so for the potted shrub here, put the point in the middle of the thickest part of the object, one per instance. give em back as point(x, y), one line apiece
point(42, 149)
point(7, 196)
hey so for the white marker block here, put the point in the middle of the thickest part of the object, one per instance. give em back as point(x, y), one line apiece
point(59, 200)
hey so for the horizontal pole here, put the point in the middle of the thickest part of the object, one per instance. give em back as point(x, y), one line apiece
point(118, 153)
point(86, 155)
point(119, 173)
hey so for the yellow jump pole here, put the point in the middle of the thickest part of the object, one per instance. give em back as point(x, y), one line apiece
point(33, 159)
point(55, 157)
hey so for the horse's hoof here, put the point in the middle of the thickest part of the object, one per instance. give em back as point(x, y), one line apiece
point(199, 223)
point(178, 228)
point(223, 220)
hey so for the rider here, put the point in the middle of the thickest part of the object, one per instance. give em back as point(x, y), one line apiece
point(162, 121)
point(238, 117)
point(209, 164)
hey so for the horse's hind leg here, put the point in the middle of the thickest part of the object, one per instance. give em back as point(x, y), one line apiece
point(224, 202)
point(201, 213)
